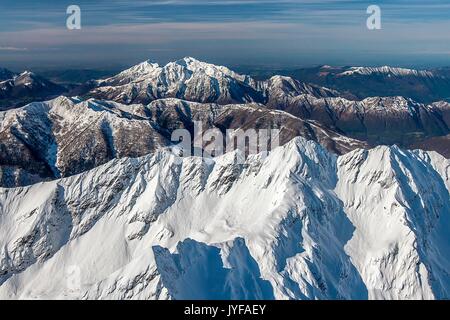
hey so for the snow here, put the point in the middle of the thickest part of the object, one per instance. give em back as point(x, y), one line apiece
point(187, 78)
point(300, 223)
point(399, 72)
point(399, 219)
point(198, 81)
point(369, 224)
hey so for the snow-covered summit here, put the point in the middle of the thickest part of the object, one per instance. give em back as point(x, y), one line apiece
point(192, 80)
point(187, 78)
point(65, 136)
point(369, 224)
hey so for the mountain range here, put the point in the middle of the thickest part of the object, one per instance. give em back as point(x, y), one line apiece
point(376, 120)
point(62, 137)
point(301, 223)
point(96, 202)
point(425, 86)
point(19, 89)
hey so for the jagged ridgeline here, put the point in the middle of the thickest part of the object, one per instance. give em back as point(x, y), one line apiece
point(368, 224)
point(95, 202)
point(135, 112)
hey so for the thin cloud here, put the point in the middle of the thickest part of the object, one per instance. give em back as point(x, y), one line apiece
point(13, 49)
point(325, 31)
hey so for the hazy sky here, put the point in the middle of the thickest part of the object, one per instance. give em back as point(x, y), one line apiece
point(278, 33)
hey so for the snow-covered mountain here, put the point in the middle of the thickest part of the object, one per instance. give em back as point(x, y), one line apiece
point(369, 224)
point(66, 136)
point(387, 70)
point(425, 86)
point(187, 79)
point(96, 204)
point(376, 120)
point(19, 89)
point(61, 137)
point(192, 80)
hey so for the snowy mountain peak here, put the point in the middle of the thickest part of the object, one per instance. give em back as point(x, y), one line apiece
point(282, 87)
point(191, 61)
point(27, 73)
point(369, 224)
point(146, 66)
point(393, 104)
point(136, 73)
point(197, 66)
point(186, 78)
point(387, 70)
point(280, 79)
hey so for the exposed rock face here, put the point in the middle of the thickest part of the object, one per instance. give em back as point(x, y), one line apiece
point(187, 79)
point(389, 120)
point(370, 224)
point(64, 136)
point(193, 80)
point(375, 120)
point(173, 114)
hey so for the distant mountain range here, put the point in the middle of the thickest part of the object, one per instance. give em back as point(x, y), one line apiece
point(425, 86)
point(354, 83)
point(96, 202)
point(376, 120)
point(63, 137)
point(146, 103)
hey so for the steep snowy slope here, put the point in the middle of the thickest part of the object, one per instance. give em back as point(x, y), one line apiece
point(187, 79)
point(399, 204)
point(300, 223)
point(64, 136)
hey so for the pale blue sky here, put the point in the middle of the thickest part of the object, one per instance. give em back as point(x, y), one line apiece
point(264, 32)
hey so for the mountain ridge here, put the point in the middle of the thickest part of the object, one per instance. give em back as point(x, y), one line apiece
point(297, 231)
point(65, 136)
point(357, 83)
point(39, 144)
point(19, 89)
point(198, 81)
